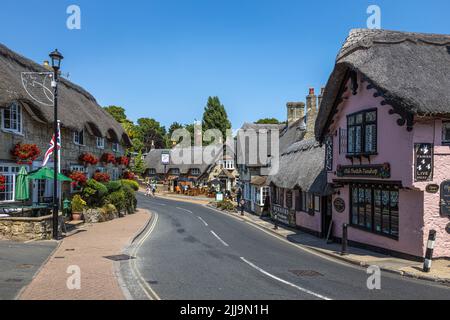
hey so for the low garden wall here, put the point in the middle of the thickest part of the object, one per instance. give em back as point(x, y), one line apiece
point(26, 229)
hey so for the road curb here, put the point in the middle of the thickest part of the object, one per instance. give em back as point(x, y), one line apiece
point(336, 256)
point(142, 230)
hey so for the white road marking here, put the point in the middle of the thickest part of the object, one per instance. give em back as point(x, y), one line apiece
point(184, 210)
point(204, 222)
point(284, 281)
point(159, 204)
point(152, 295)
point(223, 242)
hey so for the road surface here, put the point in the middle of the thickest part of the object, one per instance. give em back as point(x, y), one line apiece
point(192, 252)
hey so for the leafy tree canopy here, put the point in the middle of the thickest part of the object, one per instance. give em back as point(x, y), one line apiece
point(118, 113)
point(215, 116)
point(268, 121)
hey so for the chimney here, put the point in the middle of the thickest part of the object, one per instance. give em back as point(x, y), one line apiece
point(295, 111)
point(198, 134)
point(311, 113)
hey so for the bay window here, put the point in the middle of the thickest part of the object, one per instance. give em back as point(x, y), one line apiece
point(362, 133)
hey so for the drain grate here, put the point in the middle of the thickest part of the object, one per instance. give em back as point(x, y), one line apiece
point(306, 273)
point(24, 266)
point(13, 280)
point(120, 257)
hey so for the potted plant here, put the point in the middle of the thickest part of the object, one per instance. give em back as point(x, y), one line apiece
point(108, 158)
point(123, 161)
point(88, 159)
point(78, 205)
point(102, 177)
point(128, 175)
point(79, 180)
point(2, 183)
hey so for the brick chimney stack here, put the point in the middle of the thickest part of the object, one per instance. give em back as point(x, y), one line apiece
point(311, 113)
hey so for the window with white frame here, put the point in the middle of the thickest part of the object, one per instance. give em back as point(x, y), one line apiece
point(100, 142)
point(446, 132)
point(12, 118)
point(195, 171)
point(265, 193)
point(101, 169)
point(78, 168)
point(7, 194)
point(115, 147)
point(78, 137)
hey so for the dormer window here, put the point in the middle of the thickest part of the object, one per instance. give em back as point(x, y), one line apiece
point(175, 171)
point(78, 137)
point(446, 133)
point(362, 133)
point(12, 118)
point(228, 164)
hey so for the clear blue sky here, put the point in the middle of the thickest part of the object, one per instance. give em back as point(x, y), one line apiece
point(162, 59)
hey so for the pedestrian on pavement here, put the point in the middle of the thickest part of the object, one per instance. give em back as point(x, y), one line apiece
point(242, 207)
point(275, 218)
point(154, 189)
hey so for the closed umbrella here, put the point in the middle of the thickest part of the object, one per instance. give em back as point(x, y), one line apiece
point(22, 186)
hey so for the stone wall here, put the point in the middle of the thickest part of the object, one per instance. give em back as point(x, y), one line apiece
point(26, 229)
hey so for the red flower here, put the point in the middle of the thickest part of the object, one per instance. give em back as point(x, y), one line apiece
point(25, 153)
point(2, 183)
point(89, 158)
point(123, 161)
point(128, 175)
point(108, 158)
point(102, 177)
point(79, 178)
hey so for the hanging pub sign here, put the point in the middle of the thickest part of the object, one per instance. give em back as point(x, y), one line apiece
point(339, 205)
point(165, 158)
point(445, 198)
point(329, 153)
point(424, 161)
point(382, 171)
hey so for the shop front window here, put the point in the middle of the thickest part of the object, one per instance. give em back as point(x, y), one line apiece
point(375, 209)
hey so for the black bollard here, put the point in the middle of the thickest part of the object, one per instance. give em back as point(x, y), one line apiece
point(344, 239)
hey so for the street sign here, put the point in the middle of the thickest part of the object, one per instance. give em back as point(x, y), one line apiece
point(339, 205)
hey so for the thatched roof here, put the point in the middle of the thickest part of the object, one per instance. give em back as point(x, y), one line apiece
point(302, 166)
point(153, 160)
point(77, 110)
point(411, 70)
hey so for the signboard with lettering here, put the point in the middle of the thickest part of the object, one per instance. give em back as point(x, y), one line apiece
point(339, 205)
point(329, 154)
point(283, 215)
point(165, 158)
point(432, 188)
point(424, 161)
point(445, 198)
point(367, 171)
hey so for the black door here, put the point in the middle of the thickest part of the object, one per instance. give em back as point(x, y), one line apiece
point(327, 215)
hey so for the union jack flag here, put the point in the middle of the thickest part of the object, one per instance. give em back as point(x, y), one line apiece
point(52, 147)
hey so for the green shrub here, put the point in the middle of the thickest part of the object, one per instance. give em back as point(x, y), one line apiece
point(113, 186)
point(94, 193)
point(108, 211)
point(130, 199)
point(78, 204)
point(226, 205)
point(131, 183)
point(117, 198)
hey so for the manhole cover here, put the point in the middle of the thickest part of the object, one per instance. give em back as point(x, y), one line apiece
point(24, 266)
point(120, 257)
point(14, 280)
point(70, 249)
point(59, 257)
point(306, 273)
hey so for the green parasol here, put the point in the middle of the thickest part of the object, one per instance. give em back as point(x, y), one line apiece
point(22, 186)
point(47, 174)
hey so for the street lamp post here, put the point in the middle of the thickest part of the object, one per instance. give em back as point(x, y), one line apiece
point(56, 57)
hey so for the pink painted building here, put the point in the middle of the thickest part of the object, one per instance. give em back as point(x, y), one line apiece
point(385, 122)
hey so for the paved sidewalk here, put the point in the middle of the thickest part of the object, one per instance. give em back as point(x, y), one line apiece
point(87, 249)
point(440, 269)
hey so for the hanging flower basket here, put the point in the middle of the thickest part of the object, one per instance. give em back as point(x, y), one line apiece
point(108, 158)
point(2, 183)
point(128, 175)
point(88, 159)
point(79, 179)
point(25, 153)
point(123, 161)
point(102, 177)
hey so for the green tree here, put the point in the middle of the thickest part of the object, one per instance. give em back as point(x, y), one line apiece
point(268, 121)
point(118, 113)
point(215, 116)
point(152, 134)
point(139, 164)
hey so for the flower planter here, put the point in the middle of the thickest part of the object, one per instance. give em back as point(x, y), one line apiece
point(77, 216)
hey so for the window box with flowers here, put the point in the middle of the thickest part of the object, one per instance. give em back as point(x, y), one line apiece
point(128, 175)
point(88, 159)
point(102, 177)
point(123, 161)
point(2, 183)
point(25, 153)
point(108, 158)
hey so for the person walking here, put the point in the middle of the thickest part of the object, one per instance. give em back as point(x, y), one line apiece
point(242, 203)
